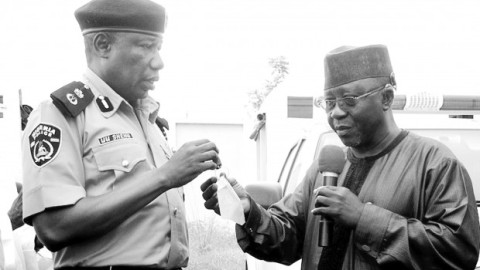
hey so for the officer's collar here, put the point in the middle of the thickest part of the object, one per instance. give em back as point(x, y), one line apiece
point(102, 91)
point(150, 106)
point(101, 88)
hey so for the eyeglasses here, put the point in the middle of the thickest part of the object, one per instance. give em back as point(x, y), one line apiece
point(346, 102)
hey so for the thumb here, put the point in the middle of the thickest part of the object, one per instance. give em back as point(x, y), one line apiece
point(230, 180)
point(239, 189)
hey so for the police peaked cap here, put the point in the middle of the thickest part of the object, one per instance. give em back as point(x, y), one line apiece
point(348, 64)
point(140, 16)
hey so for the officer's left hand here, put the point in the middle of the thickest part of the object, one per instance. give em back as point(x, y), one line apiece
point(338, 203)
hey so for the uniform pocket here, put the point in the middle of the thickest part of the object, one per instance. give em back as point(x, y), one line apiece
point(119, 157)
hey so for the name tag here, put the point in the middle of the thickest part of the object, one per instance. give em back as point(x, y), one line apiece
point(114, 137)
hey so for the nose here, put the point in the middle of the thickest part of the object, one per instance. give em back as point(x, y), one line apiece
point(337, 112)
point(156, 63)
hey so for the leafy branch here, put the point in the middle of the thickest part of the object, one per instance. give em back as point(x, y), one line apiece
point(279, 72)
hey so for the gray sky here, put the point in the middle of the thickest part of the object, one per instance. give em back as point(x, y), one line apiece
point(217, 50)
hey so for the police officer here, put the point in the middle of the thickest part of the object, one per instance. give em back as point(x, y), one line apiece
point(101, 185)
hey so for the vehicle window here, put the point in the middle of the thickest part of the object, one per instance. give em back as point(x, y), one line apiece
point(286, 172)
point(307, 154)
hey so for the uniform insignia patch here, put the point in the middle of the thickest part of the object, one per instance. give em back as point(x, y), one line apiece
point(44, 143)
point(104, 104)
point(72, 98)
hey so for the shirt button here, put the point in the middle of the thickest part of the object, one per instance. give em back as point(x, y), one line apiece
point(125, 163)
point(366, 248)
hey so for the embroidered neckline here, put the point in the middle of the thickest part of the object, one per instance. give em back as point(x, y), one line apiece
point(353, 159)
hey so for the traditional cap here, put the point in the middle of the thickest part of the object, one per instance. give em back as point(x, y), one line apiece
point(347, 64)
point(141, 16)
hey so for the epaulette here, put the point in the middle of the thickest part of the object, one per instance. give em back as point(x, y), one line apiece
point(72, 98)
point(163, 125)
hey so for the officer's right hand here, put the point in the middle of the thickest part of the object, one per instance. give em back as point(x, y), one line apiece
point(190, 160)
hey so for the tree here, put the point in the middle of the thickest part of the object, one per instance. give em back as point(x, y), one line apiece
point(280, 70)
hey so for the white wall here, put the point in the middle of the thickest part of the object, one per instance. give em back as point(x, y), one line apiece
point(10, 171)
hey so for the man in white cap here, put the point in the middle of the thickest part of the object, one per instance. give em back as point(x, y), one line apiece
point(101, 185)
point(402, 201)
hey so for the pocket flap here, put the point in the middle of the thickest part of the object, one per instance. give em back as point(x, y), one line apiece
point(121, 157)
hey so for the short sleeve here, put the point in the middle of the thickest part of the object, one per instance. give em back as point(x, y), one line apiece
point(52, 163)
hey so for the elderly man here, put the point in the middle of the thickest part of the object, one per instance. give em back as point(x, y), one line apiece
point(402, 201)
point(102, 188)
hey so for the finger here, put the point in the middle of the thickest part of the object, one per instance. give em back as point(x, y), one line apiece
point(210, 192)
point(325, 191)
point(218, 162)
point(200, 167)
point(199, 142)
point(321, 201)
point(212, 156)
point(208, 183)
point(319, 211)
point(211, 203)
point(208, 165)
point(207, 146)
point(210, 152)
point(231, 180)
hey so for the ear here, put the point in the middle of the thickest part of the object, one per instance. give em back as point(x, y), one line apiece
point(102, 44)
point(387, 98)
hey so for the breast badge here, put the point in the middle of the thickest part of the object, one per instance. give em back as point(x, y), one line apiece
point(44, 143)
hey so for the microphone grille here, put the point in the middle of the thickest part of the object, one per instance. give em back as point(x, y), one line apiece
point(331, 159)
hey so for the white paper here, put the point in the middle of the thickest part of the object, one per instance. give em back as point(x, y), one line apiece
point(229, 203)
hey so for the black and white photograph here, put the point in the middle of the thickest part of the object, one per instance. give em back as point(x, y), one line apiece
point(239, 134)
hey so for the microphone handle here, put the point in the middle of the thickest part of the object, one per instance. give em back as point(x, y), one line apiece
point(325, 233)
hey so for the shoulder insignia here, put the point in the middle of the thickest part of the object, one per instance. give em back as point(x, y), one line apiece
point(72, 98)
point(44, 142)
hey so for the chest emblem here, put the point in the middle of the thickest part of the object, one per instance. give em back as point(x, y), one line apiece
point(44, 143)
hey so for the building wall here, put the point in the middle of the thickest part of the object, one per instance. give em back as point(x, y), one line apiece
point(11, 170)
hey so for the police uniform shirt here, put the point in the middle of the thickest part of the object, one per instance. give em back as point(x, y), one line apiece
point(108, 144)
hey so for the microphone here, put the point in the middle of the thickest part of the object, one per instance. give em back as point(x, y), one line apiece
point(331, 162)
